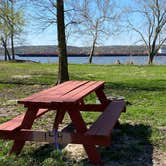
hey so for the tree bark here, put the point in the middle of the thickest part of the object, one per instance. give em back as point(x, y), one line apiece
point(151, 57)
point(6, 52)
point(12, 46)
point(93, 44)
point(5, 56)
point(12, 31)
point(63, 64)
point(92, 51)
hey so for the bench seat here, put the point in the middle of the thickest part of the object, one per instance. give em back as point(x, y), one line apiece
point(15, 123)
point(108, 119)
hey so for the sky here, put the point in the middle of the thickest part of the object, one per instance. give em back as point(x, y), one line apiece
point(35, 36)
point(49, 37)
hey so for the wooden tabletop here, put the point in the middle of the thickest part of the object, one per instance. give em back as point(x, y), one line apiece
point(67, 92)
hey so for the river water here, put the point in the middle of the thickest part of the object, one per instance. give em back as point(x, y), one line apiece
point(140, 60)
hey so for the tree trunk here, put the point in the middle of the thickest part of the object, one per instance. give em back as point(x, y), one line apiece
point(92, 51)
point(12, 30)
point(150, 58)
point(12, 46)
point(152, 52)
point(8, 55)
point(5, 56)
point(63, 64)
point(6, 52)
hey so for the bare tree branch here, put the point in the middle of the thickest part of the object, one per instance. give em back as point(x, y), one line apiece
point(95, 18)
point(154, 16)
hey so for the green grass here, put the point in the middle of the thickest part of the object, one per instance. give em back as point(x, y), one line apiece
point(142, 127)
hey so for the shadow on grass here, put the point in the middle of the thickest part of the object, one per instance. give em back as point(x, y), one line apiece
point(43, 152)
point(130, 146)
point(48, 155)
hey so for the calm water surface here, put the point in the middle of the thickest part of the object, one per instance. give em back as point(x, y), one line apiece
point(140, 60)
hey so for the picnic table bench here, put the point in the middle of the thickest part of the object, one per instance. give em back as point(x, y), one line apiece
point(66, 97)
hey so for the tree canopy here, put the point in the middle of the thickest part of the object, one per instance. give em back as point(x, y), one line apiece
point(11, 23)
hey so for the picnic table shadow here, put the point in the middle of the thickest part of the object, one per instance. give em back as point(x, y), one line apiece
point(130, 146)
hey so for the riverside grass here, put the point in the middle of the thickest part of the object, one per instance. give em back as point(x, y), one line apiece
point(143, 126)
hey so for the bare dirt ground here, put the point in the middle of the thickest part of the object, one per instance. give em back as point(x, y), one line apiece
point(4, 112)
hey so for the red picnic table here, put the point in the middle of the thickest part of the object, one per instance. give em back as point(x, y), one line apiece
point(66, 97)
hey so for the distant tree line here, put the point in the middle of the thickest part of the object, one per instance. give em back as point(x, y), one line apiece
point(52, 49)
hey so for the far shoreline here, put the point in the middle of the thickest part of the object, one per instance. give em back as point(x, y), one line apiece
point(85, 55)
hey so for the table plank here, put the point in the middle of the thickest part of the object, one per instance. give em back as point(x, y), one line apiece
point(67, 92)
point(82, 91)
point(54, 93)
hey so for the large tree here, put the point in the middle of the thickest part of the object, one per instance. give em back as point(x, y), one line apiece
point(96, 20)
point(12, 22)
point(63, 65)
point(51, 13)
point(151, 24)
point(4, 30)
point(4, 40)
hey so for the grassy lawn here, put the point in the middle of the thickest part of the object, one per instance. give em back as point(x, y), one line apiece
point(141, 137)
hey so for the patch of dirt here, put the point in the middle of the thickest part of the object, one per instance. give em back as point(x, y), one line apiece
point(159, 158)
point(75, 152)
point(9, 97)
point(21, 76)
point(5, 112)
point(162, 129)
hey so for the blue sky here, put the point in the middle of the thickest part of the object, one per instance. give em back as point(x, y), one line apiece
point(49, 36)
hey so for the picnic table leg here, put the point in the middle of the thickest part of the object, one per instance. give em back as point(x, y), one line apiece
point(80, 126)
point(58, 118)
point(26, 124)
point(101, 96)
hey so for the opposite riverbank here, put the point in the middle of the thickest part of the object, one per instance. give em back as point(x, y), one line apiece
point(52, 49)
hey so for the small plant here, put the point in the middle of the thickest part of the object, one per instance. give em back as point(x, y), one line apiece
point(56, 159)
